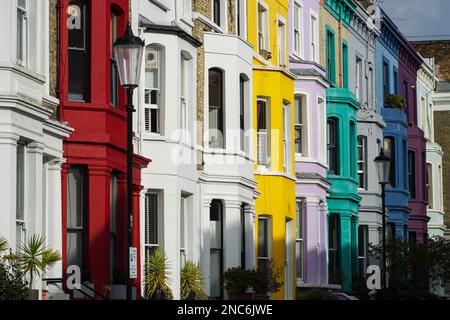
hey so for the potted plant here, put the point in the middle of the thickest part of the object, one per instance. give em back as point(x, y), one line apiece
point(264, 281)
point(191, 282)
point(35, 259)
point(12, 281)
point(156, 278)
point(395, 101)
point(238, 283)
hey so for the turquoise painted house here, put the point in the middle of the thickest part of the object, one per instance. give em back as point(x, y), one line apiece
point(342, 108)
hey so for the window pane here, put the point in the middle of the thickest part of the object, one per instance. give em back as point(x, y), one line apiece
point(75, 198)
point(77, 35)
point(216, 225)
point(20, 187)
point(151, 219)
point(77, 76)
point(75, 248)
point(151, 68)
point(215, 88)
point(263, 247)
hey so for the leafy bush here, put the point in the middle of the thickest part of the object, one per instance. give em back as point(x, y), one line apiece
point(237, 280)
point(415, 268)
point(12, 279)
point(265, 281)
point(317, 294)
point(395, 101)
point(156, 278)
point(192, 282)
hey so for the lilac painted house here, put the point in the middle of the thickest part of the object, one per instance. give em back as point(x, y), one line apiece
point(310, 144)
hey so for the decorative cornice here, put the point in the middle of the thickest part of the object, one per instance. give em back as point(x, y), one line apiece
point(173, 30)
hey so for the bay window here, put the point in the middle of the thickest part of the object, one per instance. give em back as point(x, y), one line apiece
point(152, 90)
point(183, 99)
point(243, 95)
point(216, 108)
point(183, 219)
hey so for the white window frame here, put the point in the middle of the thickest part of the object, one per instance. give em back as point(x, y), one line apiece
point(22, 57)
point(241, 23)
point(20, 196)
point(314, 36)
point(429, 185)
point(299, 240)
point(264, 159)
point(285, 137)
point(149, 245)
point(297, 29)
point(264, 32)
point(148, 106)
point(184, 209)
point(304, 125)
point(268, 220)
point(362, 161)
point(223, 14)
point(359, 71)
point(183, 96)
point(281, 39)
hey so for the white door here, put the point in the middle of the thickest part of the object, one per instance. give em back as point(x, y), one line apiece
point(289, 261)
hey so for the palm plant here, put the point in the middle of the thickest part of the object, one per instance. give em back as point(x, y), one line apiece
point(36, 258)
point(3, 244)
point(191, 282)
point(156, 278)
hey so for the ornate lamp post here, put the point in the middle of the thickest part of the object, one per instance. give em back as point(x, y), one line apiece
point(383, 164)
point(128, 52)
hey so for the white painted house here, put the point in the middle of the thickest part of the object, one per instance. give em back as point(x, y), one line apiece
point(198, 197)
point(31, 139)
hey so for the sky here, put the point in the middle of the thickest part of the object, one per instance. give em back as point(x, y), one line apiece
point(420, 17)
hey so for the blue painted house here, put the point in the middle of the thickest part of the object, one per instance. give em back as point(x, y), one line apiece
point(395, 141)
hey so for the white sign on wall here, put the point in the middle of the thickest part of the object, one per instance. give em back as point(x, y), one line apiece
point(133, 263)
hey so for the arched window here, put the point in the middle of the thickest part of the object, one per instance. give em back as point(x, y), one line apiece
point(216, 106)
point(333, 145)
point(152, 89)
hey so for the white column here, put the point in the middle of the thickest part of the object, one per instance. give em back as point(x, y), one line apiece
point(250, 254)
point(54, 214)
point(8, 152)
point(205, 243)
point(232, 234)
point(33, 195)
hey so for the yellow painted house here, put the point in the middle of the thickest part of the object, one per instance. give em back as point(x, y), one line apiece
point(273, 90)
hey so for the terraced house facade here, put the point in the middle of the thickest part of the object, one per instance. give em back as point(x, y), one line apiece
point(256, 128)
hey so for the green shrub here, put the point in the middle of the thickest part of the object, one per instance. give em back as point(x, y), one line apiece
point(191, 286)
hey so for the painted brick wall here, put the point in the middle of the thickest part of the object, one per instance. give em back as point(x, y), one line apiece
point(327, 18)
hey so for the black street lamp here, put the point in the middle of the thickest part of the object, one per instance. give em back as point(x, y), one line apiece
point(128, 53)
point(383, 164)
